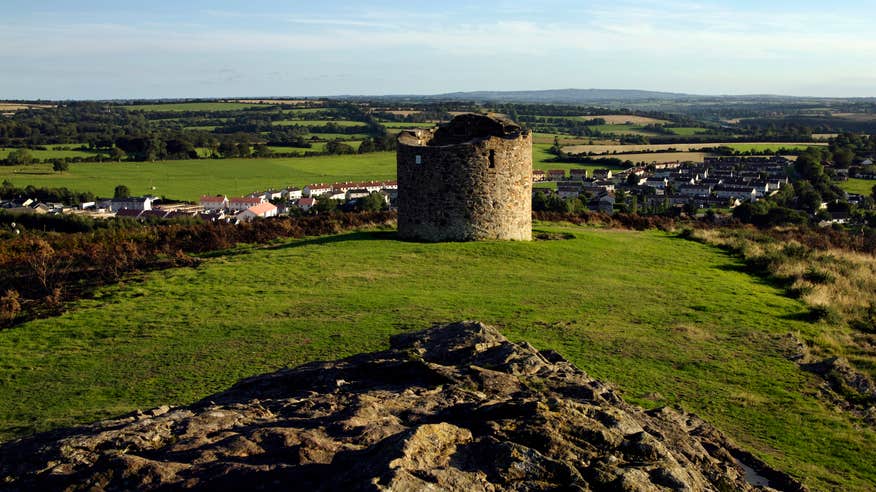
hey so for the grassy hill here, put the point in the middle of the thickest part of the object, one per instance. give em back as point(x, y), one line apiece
point(670, 322)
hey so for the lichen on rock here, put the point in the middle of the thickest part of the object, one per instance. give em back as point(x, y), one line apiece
point(454, 407)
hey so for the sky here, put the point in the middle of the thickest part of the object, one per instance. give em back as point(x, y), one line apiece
point(94, 49)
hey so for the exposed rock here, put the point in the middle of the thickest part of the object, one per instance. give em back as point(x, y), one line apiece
point(455, 407)
point(844, 386)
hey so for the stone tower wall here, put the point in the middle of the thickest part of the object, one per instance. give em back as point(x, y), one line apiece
point(473, 190)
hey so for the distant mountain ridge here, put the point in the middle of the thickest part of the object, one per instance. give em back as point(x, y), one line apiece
point(564, 95)
point(589, 96)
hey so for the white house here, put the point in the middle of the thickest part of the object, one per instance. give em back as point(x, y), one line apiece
point(355, 193)
point(262, 210)
point(218, 202)
point(238, 204)
point(602, 174)
point(131, 203)
point(335, 195)
point(316, 189)
point(306, 203)
point(292, 193)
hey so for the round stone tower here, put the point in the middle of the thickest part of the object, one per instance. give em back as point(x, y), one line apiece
point(467, 180)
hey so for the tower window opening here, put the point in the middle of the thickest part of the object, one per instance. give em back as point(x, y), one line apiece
point(492, 159)
point(418, 159)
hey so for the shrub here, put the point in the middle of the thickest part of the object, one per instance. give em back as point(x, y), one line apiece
point(10, 307)
point(823, 313)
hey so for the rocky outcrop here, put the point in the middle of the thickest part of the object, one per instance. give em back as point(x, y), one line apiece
point(455, 407)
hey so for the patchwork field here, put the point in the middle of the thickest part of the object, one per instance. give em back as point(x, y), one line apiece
point(712, 343)
point(15, 106)
point(858, 117)
point(756, 146)
point(276, 101)
point(622, 119)
point(621, 129)
point(193, 106)
point(660, 157)
point(397, 125)
point(341, 123)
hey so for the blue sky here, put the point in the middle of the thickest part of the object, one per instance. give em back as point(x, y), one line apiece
point(92, 49)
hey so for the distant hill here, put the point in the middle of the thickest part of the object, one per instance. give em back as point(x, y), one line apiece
point(567, 96)
point(601, 97)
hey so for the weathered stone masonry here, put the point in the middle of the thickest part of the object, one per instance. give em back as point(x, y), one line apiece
point(470, 179)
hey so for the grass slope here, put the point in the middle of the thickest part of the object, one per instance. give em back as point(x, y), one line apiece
point(669, 321)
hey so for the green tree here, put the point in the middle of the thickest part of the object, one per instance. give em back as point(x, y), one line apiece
point(262, 150)
point(117, 154)
point(60, 166)
point(20, 156)
point(372, 203)
point(121, 191)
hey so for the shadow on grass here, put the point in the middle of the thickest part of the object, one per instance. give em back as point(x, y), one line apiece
point(339, 238)
point(738, 265)
point(805, 316)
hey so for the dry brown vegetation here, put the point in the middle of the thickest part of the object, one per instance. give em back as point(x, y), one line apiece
point(660, 157)
point(14, 106)
point(859, 117)
point(835, 282)
point(402, 113)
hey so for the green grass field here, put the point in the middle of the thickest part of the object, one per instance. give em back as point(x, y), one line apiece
point(686, 131)
point(304, 110)
point(402, 126)
point(308, 123)
point(669, 321)
point(189, 179)
point(620, 129)
point(193, 106)
point(335, 136)
point(859, 186)
point(50, 154)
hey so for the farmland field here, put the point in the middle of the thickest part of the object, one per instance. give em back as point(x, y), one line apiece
point(395, 124)
point(757, 146)
point(859, 186)
point(660, 157)
point(50, 154)
point(711, 344)
point(622, 130)
point(15, 106)
point(621, 119)
point(189, 179)
point(193, 106)
point(276, 101)
point(686, 131)
point(342, 123)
